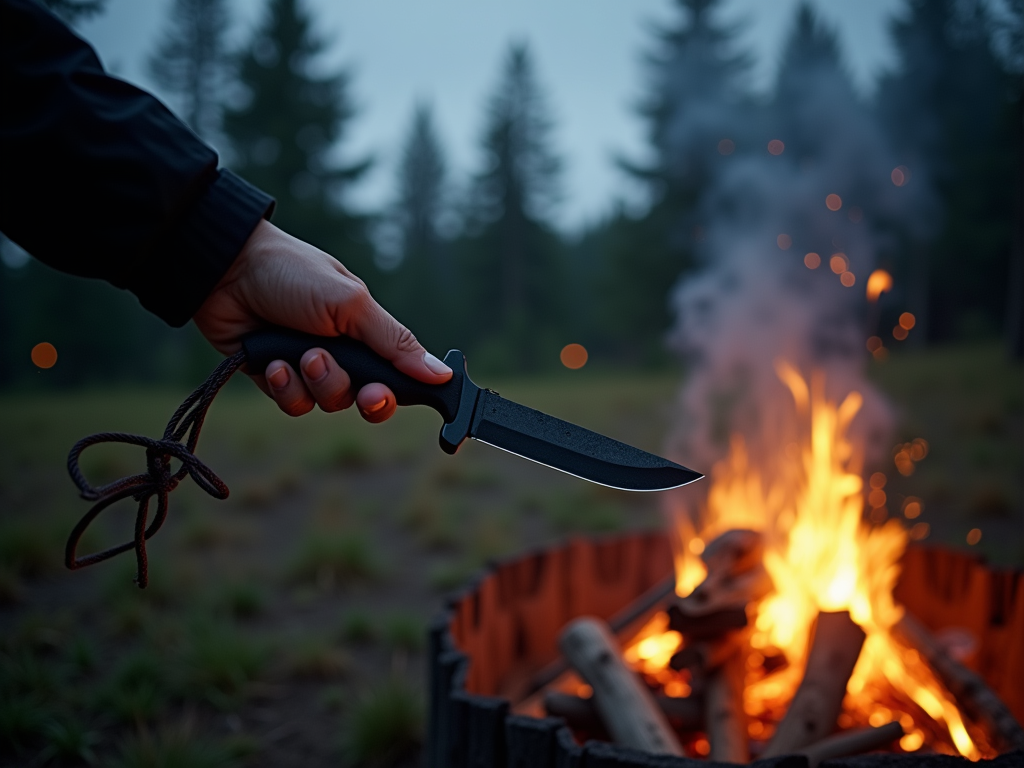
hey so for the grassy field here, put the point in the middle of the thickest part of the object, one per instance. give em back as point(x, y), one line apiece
point(284, 626)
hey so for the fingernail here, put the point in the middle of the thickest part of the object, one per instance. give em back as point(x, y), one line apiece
point(279, 378)
point(435, 365)
point(316, 368)
point(376, 406)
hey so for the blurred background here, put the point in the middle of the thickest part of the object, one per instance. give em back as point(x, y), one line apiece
point(616, 210)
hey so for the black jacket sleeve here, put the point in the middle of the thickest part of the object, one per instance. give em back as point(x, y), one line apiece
point(99, 179)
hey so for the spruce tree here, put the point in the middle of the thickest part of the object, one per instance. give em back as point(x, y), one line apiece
point(513, 265)
point(423, 280)
point(950, 106)
point(695, 109)
point(286, 133)
point(192, 62)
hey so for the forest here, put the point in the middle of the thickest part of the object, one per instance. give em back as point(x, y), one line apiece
point(479, 263)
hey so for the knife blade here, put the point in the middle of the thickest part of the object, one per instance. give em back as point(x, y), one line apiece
point(481, 414)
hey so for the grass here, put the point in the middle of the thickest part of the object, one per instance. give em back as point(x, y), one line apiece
point(316, 658)
point(385, 725)
point(336, 558)
point(140, 687)
point(243, 599)
point(177, 747)
point(358, 628)
point(404, 632)
point(220, 660)
point(582, 512)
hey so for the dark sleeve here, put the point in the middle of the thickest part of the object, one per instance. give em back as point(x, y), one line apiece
point(99, 179)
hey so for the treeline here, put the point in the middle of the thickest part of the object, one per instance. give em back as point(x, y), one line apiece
point(478, 262)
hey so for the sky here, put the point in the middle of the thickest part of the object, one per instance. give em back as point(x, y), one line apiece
point(448, 52)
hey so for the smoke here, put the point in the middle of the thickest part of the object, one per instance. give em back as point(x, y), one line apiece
point(756, 301)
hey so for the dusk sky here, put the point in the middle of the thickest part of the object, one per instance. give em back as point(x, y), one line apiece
point(448, 52)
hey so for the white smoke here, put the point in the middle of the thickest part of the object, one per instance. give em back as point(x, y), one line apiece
point(756, 302)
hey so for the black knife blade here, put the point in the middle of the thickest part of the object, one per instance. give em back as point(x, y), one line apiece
point(483, 415)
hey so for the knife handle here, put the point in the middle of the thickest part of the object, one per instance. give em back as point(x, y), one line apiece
point(362, 364)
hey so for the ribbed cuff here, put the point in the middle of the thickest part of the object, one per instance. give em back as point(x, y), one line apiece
point(202, 249)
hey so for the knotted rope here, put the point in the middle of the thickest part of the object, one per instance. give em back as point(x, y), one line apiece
point(179, 442)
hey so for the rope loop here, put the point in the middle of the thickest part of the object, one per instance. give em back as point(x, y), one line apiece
point(178, 442)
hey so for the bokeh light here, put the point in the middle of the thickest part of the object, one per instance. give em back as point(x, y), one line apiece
point(879, 282)
point(974, 536)
point(784, 241)
point(900, 175)
point(920, 531)
point(907, 320)
point(573, 356)
point(848, 279)
point(833, 202)
point(900, 333)
point(838, 263)
point(812, 260)
point(44, 355)
point(912, 508)
point(776, 147)
point(874, 343)
point(726, 147)
point(877, 480)
point(855, 214)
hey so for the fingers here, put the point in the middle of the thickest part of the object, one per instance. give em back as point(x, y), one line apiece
point(327, 383)
point(376, 403)
point(392, 340)
point(288, 390)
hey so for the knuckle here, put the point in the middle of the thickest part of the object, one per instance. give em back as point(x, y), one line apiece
point(405, 340)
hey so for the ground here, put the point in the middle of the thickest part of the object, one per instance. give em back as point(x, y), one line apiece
point(285, 626)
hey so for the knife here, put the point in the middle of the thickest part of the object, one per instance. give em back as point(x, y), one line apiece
point(481, 414)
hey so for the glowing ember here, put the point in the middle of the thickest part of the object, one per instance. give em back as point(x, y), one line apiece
point(848, 279)
point(573, 356)
point(833, 202)
point(812, 260)
point(44, 355)
point(879, 282)
point(838, 263)
point(974, 536)
point(822, 556)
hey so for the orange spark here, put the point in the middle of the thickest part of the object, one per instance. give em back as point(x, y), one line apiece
point(812, 260)
point(573, 356)
point(879, 282)
point(776, 147)
point(833, 202)
point(44, 355)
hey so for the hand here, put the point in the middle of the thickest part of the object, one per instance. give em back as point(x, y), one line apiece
point(280, 280)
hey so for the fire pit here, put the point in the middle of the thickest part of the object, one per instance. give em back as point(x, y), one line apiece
point(495, 648)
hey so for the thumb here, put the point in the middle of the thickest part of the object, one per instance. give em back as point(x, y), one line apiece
point(390, 339)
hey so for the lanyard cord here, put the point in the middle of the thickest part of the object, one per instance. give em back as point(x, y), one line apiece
point(158, 479)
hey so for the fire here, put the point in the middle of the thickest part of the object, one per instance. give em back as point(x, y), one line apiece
point(822, 556)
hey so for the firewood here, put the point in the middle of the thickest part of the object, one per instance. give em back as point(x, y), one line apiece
point(626, 706)
point(706, 626)
point(972, 695)
point(812, 713)
point(709, 654)
point(684, 714)
point(853, 742)
point(726, 720)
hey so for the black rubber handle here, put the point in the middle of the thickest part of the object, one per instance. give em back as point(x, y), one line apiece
point(362, 364)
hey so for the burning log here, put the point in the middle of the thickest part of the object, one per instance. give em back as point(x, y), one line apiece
point(726, 720)
point(626, 706)
point(972, 695)
point(707, 655)
point(684, 714)
point(735, 578)
point(812, 713)
point(853, 742)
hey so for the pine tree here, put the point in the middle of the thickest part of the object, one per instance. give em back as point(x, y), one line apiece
point(423, 281)
point(513, 266)
point(192, 62)
point(949, 105)
point(286, 134)
point(695, 109)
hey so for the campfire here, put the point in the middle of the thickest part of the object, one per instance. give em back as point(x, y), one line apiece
point(778, 633)
point(785, 620)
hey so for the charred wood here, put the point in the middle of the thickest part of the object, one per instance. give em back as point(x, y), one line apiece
point(706, 626)
point(853, 742)
point(709, 654)
point(972, 695)
point(812, 713)
point(625, 704)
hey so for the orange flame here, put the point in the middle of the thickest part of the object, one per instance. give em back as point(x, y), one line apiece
point(879, 282)
point(821, 556)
